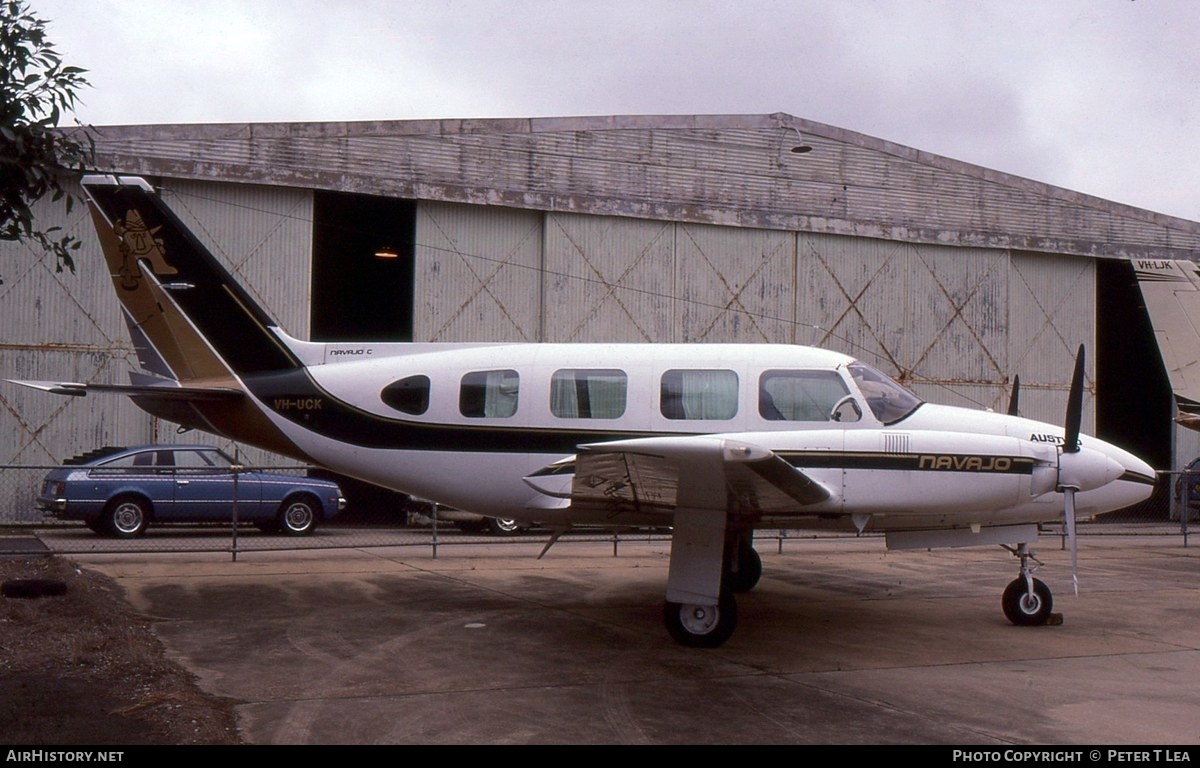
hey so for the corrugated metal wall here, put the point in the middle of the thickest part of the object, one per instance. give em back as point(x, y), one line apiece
point(609, 279)
point(263, 236)
point(478, 274)
point(955, 323)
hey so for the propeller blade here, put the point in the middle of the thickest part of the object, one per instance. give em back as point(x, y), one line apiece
point(1069, 525)
point(1074, 407)
point(1014, 396)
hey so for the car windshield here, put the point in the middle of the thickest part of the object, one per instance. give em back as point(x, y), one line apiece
point(889, 401)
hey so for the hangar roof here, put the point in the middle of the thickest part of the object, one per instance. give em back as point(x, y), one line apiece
point(732, 170)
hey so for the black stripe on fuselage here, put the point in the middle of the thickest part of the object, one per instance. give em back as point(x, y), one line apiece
point(293, 395)
point(910, 462)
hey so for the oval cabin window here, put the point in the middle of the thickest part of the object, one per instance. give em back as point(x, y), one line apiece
point(409, 395)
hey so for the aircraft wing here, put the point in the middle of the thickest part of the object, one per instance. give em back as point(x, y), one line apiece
point(694, 472)
point(1171, 291)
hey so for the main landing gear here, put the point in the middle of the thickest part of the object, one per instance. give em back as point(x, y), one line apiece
point(709, 626)
point(1027, 601)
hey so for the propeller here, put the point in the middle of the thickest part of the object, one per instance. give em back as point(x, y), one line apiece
point(1014, 396)
point(1070, 448)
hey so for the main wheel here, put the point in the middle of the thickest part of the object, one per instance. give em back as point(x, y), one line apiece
point(1026, 609)
point(701, 626)
point(298, 517)
point(748, 573)
point(502, 526)
point(126, 517)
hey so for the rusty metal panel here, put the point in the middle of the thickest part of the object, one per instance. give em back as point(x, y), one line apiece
point(263, 236)
point(609, 279)
point(42, 306)
point(477, 274)
point(735, 285)
point(1053, 311)
point(955, 324)
point(44, 429)
point(853, 297)
point(957, 329)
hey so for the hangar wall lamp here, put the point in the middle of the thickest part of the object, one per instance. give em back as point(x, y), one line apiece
point(801, 148)
point(386, 252)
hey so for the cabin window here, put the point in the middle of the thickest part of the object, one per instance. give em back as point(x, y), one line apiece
point(488, 394)
point(709, 395)
point(588, 393)
point(805, 396)
point(410, 395)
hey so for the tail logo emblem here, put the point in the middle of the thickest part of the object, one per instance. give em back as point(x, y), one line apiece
point(139, 242)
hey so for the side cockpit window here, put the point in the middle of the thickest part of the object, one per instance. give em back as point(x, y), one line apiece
point(702, 394)
point(577, 393)
point(805, 396)
point(889, 401)
point(409, 395)
point(489, 394)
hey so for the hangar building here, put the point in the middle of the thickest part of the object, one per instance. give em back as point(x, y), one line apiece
point(692, 228)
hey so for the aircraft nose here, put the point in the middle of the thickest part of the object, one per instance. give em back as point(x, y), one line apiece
point(1088, 469)
point(1129, 480)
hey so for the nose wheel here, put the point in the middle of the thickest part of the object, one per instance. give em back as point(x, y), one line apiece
point(1027, 601)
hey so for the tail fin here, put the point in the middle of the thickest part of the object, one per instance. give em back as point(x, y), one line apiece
point(1171, 291)
point(201, 323)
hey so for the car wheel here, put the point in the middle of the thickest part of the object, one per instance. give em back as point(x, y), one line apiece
point(502, 526)
point(298, 517)
point(126, 517)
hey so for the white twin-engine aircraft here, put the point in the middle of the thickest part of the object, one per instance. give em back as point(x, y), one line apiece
point(713, 440)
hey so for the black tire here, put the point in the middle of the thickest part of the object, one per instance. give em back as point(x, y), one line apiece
point(126, 517)
point(298, 516)
point(701, 626)
point(1025, 609)
point(748, 572)
point(502, 526)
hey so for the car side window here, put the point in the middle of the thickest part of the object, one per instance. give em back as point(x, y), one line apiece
point(195, 461)
point(136, 464)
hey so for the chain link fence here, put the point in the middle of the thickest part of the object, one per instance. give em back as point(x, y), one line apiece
point(375, 517)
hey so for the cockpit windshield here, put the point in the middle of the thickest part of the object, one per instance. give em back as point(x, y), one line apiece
point(889, 401)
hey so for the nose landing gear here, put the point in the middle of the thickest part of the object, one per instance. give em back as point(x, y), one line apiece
point(1027, 601)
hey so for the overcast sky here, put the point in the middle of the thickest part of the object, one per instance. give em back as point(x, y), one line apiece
point(1099, 96)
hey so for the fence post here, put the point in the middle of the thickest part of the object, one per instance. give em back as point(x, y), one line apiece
point(236, 468)
point(433, 515)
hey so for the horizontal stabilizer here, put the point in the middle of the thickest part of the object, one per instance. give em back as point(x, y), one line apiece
point(164, 391)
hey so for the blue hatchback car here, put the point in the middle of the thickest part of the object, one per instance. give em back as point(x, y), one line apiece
point(120, 491)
